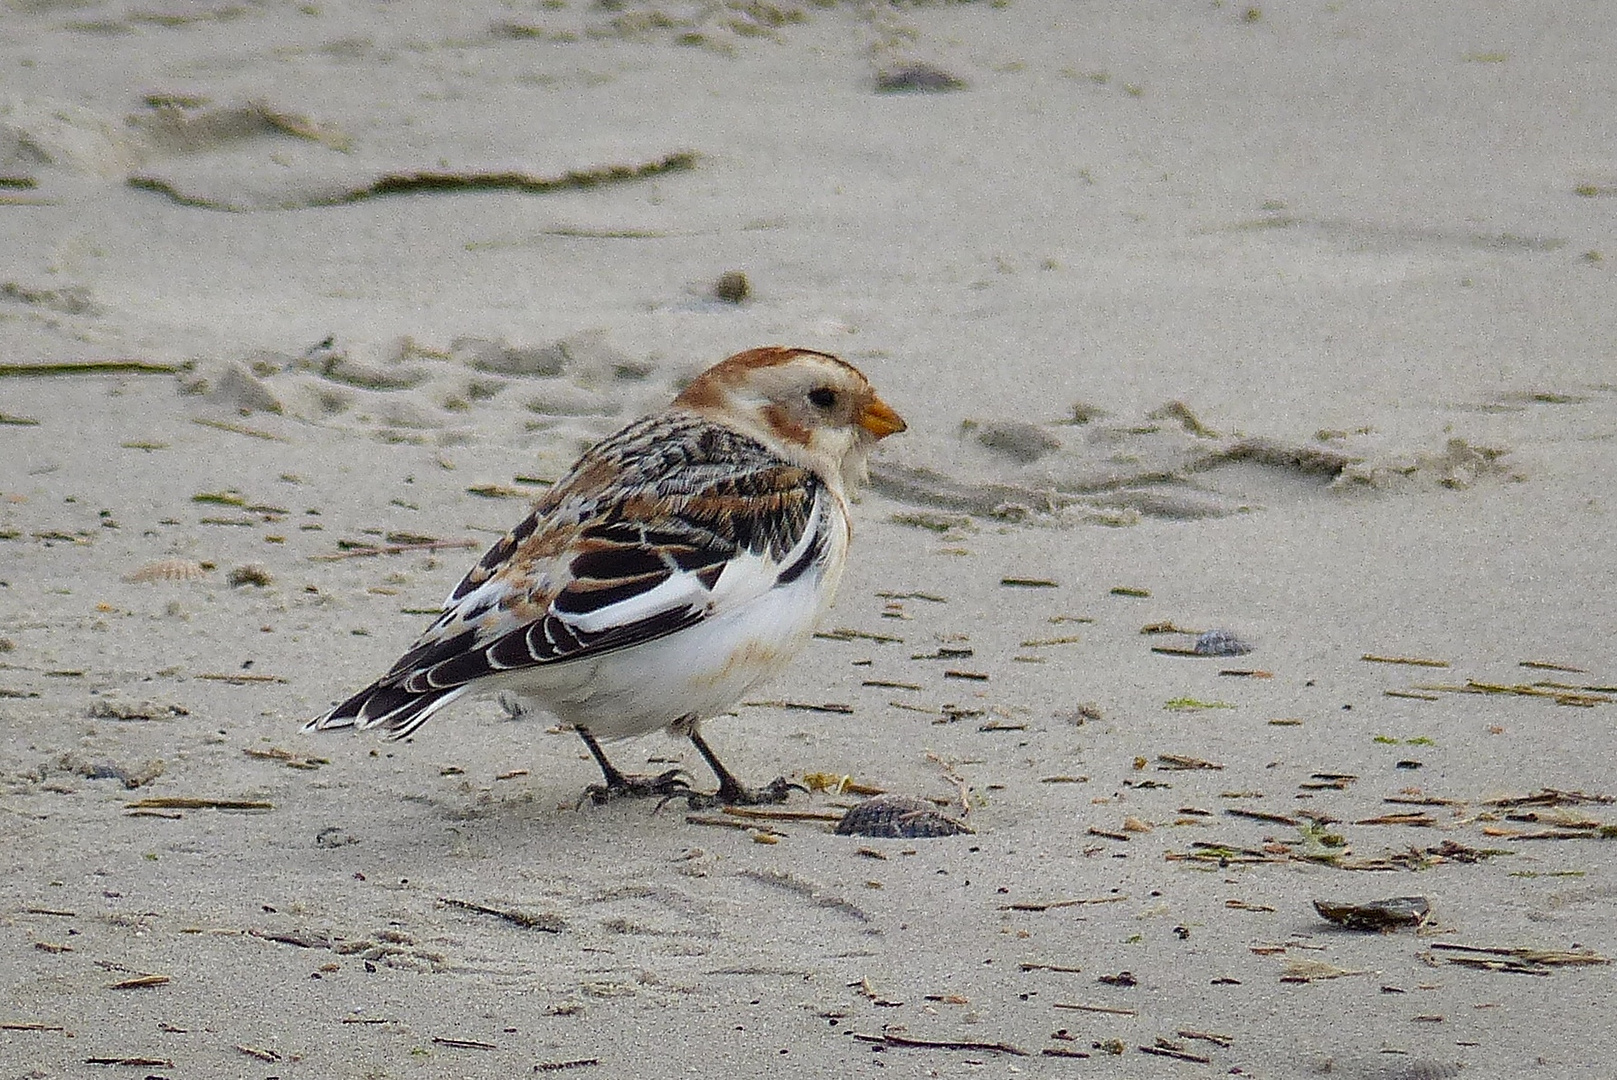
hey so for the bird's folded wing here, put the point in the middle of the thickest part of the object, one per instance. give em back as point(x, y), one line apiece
point(636, 569)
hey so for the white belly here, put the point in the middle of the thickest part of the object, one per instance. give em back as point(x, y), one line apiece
point(696, 672)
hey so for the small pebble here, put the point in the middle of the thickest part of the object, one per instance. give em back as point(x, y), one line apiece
point(1220, 643)
point(732, 287)
point(917, 78)
point(250, 574)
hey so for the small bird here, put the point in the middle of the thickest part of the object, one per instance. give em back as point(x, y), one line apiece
point(679, 563)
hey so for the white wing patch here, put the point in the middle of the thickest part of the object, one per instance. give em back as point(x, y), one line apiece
point(682, 589)
point(749, 575)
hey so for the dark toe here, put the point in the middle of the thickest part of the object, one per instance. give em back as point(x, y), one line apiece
point(774, 792)
point(670, 784)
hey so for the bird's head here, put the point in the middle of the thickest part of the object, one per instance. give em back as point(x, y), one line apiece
point(809, 406)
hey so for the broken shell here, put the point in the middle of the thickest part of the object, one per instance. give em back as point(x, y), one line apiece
point(898, 816)
point(1377, 914)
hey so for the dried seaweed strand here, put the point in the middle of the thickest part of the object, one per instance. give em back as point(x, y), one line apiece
point(395, 549)
point(1537, 957)
point(836, 708)
point(1260, 815)
point(731, 823)
point(757, 814)
point(1559, 694)
point(844, 633)
point(429, 181)
point(1204, 851)
point(91, 367)
point(1047, 905)
point(1107, 1009)
point(1551, 797)
point(238, 429)
point(1551, 665)
point(182, 802)
point(892, 1038)
point(1179, 762)
point(550, 924)
point(1206, 1036)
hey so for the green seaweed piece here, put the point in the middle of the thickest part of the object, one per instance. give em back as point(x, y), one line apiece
point(1187, 704)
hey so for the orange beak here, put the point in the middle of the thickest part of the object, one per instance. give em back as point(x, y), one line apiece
point(878, 418)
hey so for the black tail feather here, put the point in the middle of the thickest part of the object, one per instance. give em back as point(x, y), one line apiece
point(397, 711)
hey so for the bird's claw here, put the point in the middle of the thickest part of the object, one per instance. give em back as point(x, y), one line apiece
point(772, 793)
point(669, 785)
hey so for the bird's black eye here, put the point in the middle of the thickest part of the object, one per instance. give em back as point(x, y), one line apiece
point(822, 397)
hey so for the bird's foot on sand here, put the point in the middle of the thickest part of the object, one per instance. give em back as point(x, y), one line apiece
point(669, 785)
point(734, 794)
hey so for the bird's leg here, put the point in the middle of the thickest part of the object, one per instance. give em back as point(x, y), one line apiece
point(619, 785)
point(731, 792)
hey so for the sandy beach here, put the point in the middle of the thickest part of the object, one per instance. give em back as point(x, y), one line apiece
point(1291, 321)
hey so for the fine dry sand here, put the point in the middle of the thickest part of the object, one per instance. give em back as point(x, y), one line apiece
point(1294, 321)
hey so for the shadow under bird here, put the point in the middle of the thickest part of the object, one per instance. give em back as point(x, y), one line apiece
point(678, 564)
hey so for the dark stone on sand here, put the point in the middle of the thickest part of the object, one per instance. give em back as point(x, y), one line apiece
point(917, 78)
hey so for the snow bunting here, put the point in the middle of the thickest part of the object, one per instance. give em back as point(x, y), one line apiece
point(679, 563)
